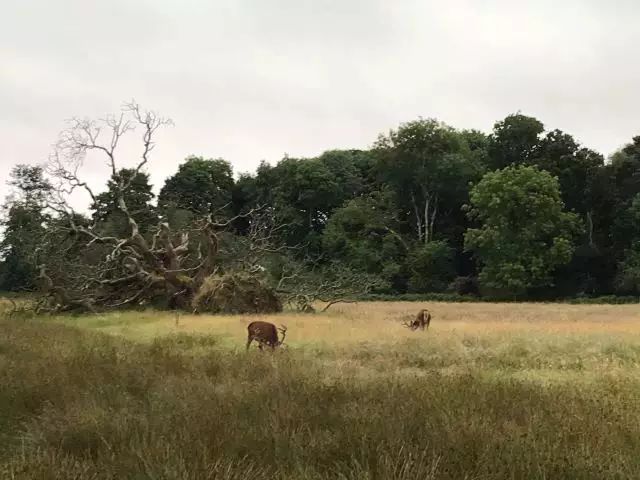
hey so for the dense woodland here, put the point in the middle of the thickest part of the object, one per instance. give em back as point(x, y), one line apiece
point(520, 213)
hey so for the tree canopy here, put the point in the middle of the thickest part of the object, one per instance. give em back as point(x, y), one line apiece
point(524, 232)
point(517, 211)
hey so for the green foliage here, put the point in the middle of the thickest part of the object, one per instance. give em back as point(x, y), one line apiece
point(429, 166)
point(24, 225)
point(431, 267)
point(364, 233)
point(524, 231)
point(625, 186)
point(305, 192)
point(200, 186)
point(628, 281)
point(559, 154)
point(514, 140)
point(467, 298)
point(138, 196)
point(378, 211)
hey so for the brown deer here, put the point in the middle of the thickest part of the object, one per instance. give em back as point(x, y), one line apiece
point(422, 320)
point(265, 333)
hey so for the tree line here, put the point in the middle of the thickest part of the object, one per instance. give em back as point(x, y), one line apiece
point(521, 212)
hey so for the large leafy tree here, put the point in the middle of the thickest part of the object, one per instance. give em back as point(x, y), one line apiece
point(625, 174)
point(429, 166)
point(431, 267)
point(628, 278)
point(138, 196)
point(524, 233)
point(575, 166)
point(365, 234)
point(514, 140)
point(200, 186)
point(305, 192)
point(24, 224)
point(578, 170)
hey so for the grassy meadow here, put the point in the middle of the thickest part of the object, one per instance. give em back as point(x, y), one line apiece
point(490, 391)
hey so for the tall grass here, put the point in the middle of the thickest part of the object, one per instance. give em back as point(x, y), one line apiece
point(78, 404)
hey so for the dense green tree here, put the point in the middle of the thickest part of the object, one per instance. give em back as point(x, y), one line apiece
point(24, 225)
point(628, 278)
point(431, 267)
point(395, 212)
point(478, 144)
point(354, 170)
point(365, 234)
point(429, 166)
point(575, 166)
point(626, 165)
point(138, 196)
point(514, 140)
point(578, 172)
point(524, 234)
point(305, 192)
point(625, 174)
point(200, 186)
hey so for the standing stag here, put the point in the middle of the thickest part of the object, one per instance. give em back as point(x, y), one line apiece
point(422, 320)
point(265, 333)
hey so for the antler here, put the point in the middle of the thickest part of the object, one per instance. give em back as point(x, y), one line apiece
point(283, 331)
point(409, 324)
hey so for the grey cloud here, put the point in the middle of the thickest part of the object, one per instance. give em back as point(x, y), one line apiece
point(251, 79)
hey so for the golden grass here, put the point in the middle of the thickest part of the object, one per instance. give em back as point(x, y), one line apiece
point(379, 322)
point(490, 391)
point(538, 343)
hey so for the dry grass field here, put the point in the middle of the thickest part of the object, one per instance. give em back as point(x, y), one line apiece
point(377, 322)
point(490, 391)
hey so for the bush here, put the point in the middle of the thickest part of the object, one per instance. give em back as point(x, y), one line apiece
point(456, 298)
point(628, 280)
point(235, 293)
point(464, 286)
point(431, 267)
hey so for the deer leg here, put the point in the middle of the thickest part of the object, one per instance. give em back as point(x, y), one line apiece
point(249, 340)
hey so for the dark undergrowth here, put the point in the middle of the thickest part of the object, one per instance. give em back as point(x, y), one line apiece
point(80, 405)
point(457, 298)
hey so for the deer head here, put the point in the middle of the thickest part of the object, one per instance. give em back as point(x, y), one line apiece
point(411, 325)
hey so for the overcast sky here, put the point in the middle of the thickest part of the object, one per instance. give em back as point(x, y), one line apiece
point(249, 80)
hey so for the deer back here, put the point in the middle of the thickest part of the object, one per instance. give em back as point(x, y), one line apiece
point(264, 332)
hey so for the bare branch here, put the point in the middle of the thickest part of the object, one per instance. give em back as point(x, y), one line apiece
point(150, 122)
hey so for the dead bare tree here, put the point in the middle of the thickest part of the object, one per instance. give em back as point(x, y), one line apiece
point(265, 333)
point(142, 265)
point(260, 239)
point(302, 285)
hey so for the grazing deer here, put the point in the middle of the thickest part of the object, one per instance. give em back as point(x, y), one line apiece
point(423, 318)
point(265, 333)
